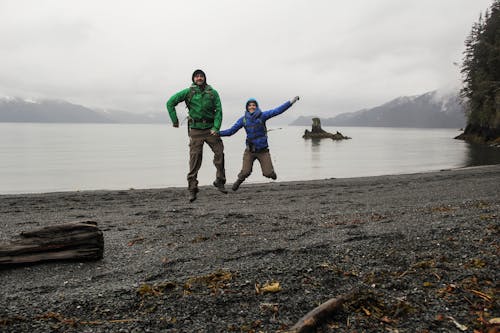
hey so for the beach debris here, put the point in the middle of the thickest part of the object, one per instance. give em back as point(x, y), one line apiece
point(484, 296)
point(81, 240)
point(457, 324)
point(199, 239)
point(269, 307)
point(219, 280)
point(318, 133)
point(320, 314)
point(268, 287)
point(155, 289)
point(135, 241)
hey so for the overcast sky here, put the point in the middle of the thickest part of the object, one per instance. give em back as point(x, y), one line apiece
point(338, 56)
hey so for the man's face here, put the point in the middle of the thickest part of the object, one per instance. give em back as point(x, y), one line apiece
point(199, 79)
point(252, 107)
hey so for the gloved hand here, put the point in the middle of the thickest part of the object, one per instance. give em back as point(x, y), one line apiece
point(176, 124)
point(295, 99)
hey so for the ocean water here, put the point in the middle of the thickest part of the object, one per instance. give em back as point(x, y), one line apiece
point(69, 157)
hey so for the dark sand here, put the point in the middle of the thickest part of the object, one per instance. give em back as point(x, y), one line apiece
point(422, 249)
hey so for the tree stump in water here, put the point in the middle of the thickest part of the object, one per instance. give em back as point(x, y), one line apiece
point(74, 240)
point(318, 133)
point(316, 126)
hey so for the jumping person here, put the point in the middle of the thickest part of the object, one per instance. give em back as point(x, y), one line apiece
point(257, 147)
point(204, 121)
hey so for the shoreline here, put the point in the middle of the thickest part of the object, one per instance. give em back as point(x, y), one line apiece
point(245, 183)
point(418, 245)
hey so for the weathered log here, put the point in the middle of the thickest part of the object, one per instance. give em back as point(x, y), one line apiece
point(74, 240)
point(320, 314)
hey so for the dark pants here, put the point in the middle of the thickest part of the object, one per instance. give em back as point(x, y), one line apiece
point(264, 158)
point(197, 138)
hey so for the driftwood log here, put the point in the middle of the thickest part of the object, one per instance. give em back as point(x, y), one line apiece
point(318, 133)
point(74, 240)
point(320, 314)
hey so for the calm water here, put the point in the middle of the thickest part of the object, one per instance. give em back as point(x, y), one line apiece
point(67, 157)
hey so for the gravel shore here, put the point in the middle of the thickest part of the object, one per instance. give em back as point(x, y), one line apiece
point(420, 250)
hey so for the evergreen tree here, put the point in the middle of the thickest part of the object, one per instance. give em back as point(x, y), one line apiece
point(481, 75)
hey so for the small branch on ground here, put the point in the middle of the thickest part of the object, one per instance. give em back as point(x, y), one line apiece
point(319, 315)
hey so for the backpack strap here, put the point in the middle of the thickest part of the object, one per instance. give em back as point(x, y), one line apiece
point(192, 91)
point(189, 96)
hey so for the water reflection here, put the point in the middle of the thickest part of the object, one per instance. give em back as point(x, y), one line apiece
point(478, 154)
point(315, 143)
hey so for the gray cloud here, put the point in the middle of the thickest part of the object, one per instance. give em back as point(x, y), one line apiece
point(340, 56)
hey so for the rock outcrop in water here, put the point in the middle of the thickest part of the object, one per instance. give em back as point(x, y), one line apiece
point(318, 133)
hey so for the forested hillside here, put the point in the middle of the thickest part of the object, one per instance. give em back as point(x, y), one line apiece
point(481, 72)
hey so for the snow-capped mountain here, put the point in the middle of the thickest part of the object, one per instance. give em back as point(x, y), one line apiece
point(13, 109)
point(428, 110)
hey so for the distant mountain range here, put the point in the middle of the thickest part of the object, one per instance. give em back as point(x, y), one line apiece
point(423, 111)
point(429, 110)
point(57, 111)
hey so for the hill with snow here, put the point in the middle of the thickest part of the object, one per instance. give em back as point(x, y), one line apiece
point(429, 110)
point(13, 109)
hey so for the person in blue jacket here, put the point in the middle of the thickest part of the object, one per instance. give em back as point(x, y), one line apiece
point(257, 148)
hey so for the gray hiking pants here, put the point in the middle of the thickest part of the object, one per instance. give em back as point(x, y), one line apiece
point(197, 137)
point(264, 158)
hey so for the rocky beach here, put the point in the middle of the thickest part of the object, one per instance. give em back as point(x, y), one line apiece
point(409, 253)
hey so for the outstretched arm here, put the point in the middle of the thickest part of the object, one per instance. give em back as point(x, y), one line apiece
point(235, 128)
point(280, 109)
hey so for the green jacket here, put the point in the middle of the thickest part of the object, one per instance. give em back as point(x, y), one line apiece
point(205, 109)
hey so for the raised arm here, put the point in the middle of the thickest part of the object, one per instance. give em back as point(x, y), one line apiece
point(280, 109)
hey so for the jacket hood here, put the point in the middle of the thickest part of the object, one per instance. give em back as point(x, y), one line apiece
point(198, 71)
point(251, 100)
point(256, 114)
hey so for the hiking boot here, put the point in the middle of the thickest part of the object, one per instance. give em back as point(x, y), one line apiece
point(192, 195)
point(220, 186)
point(236, 184)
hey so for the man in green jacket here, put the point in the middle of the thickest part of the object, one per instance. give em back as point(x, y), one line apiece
point(204, 121)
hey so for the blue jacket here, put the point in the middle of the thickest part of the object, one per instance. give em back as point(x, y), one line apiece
point(255, 126)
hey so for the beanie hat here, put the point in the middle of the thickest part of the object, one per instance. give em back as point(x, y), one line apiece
point(251, 100)
point(196, 72)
